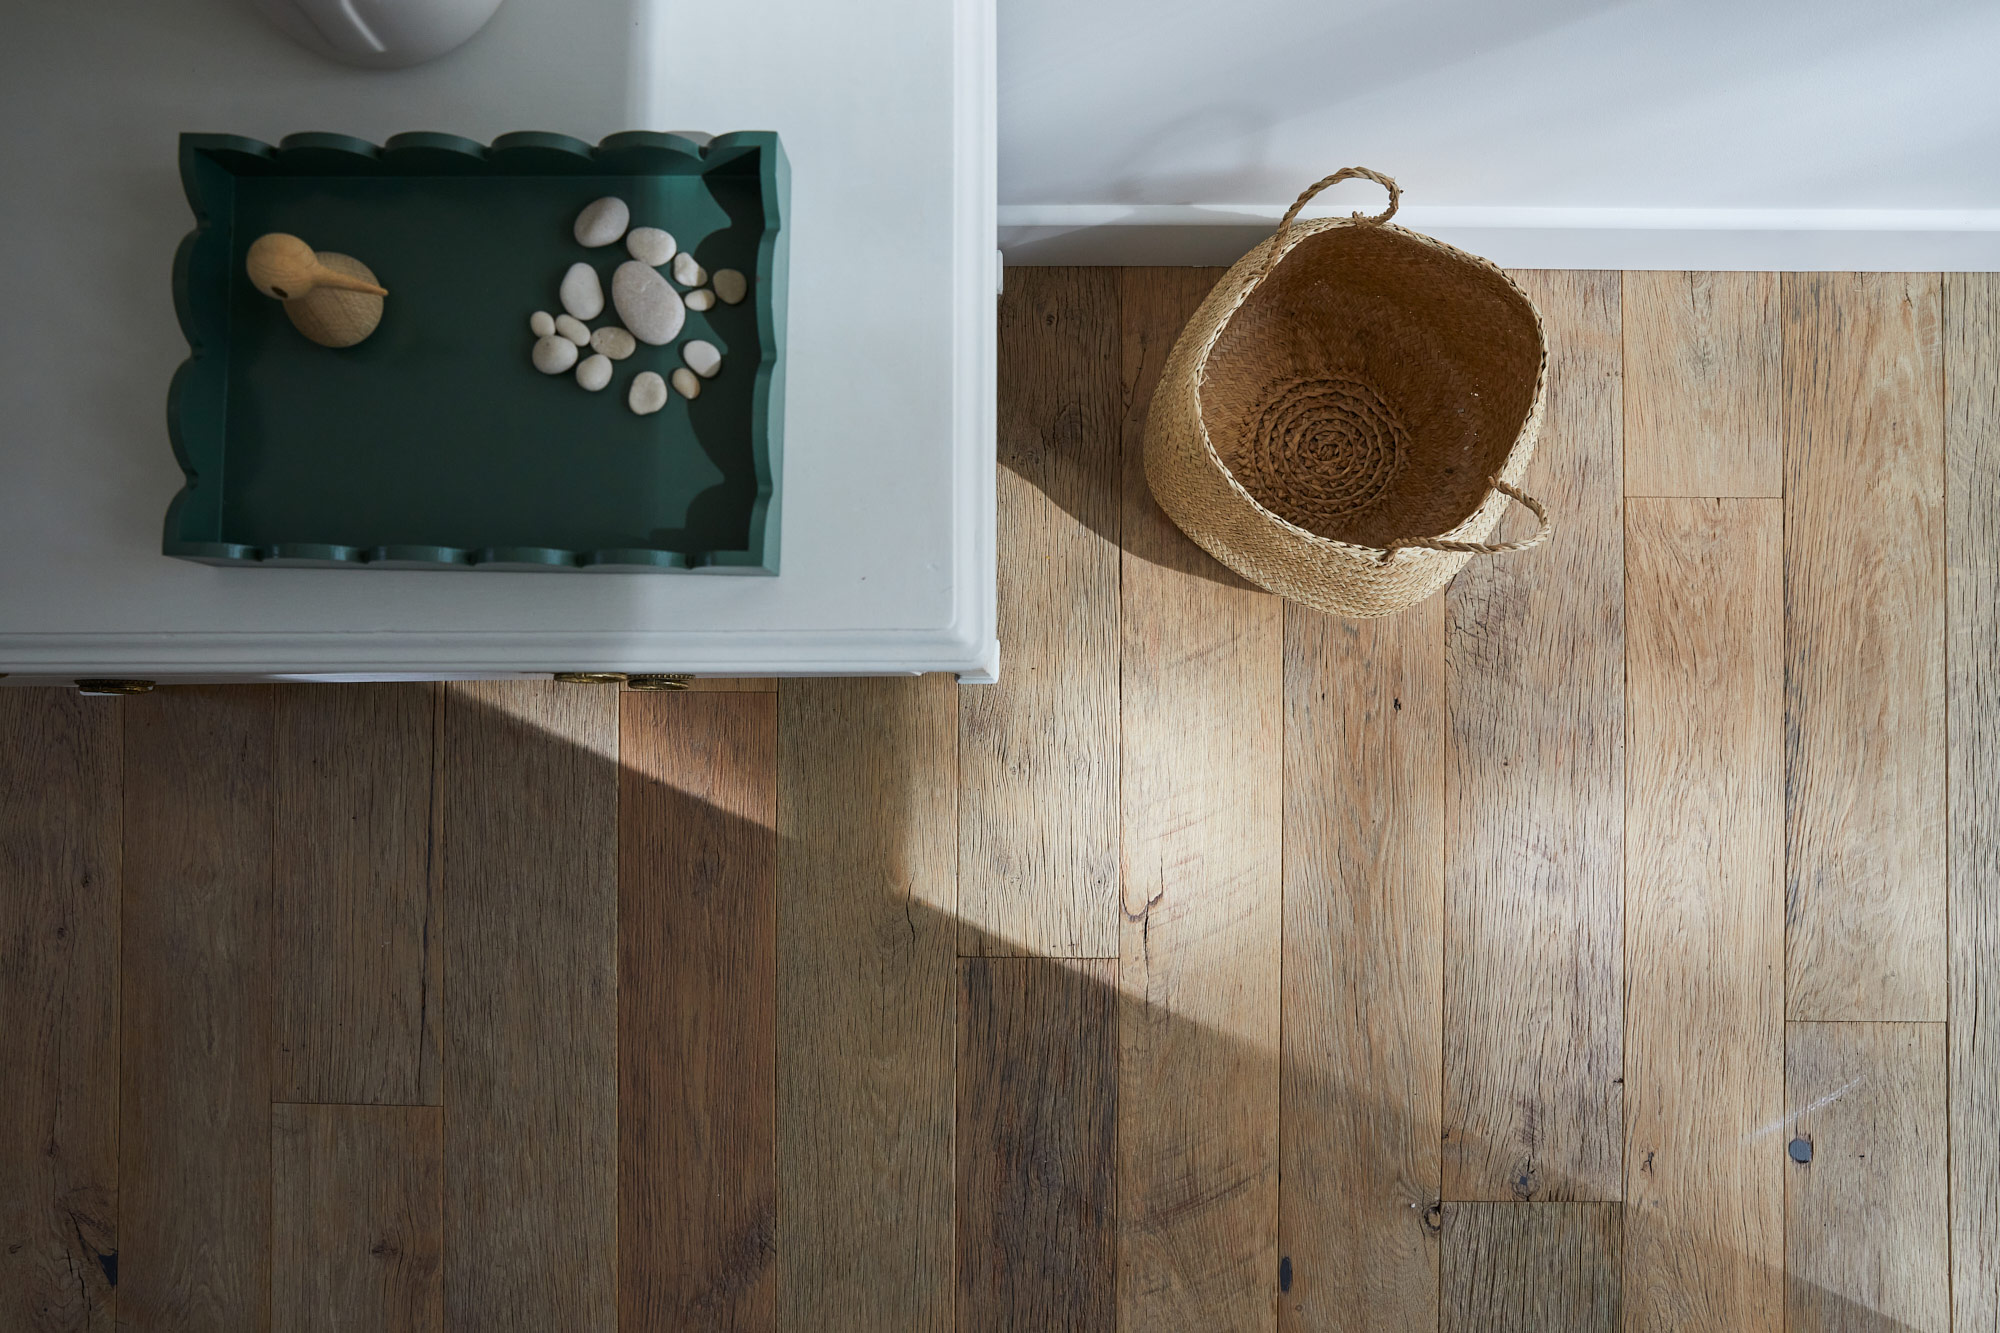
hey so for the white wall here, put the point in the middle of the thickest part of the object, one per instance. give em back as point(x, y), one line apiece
point(1809, 129)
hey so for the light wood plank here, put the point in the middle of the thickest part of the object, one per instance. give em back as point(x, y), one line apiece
point(357, 1224)
point(60, 761)
point(1704, 916)
point(355, 913)
point(1038, 775)
point(1037, 1095)
point(866, 1003)
point(194, 1141)
point(1201, 763)
point(1864, 607)
point(1703, 354)
point(1866, 1229)
point(1531, 1267)
point(1363, 970)
point(1535, 663)
point(697, 995)
point(531, 1005)
point(1972, 525)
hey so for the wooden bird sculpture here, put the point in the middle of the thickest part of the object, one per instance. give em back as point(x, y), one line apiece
point(331, 298)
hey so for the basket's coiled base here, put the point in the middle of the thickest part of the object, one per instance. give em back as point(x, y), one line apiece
point(1322, 448)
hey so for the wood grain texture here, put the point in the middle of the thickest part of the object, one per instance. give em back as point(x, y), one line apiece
point(531, 1005)
point(697, 997)
point(357, 1220)
point(1864, 606)
point(355, 933)
point(1972, 527)
point(1038, 769)
point(1531, 1267)
point(194, 1140)
point(1703, 353)
point(1866, 1228)
point(1535, 663)
point(1363, 969)
point(60, 813)
point(866, 998)
point(1704, 915)
point(1201, 763)
point(1037, 1099)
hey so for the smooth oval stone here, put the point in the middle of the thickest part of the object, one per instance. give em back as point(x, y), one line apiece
point(701, 298)
point(688, 273)
point(554, 355)
point(703, 357)
point(601, 222)
point(686, 384)
point(582, 294)
point(730, 285)
point(572, 328)
point(540, 324)
point(594, 372)
point(613, 342)
point(651, 309)
point(648, 394)
point(650, 245)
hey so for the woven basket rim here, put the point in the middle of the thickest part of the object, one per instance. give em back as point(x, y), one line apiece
point(1301, 231)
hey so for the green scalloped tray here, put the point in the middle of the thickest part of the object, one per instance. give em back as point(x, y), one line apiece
point(435, 444)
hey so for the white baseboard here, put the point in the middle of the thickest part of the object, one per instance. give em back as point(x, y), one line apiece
point(1856, 239)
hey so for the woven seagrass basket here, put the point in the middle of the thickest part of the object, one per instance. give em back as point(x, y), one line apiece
point(1346, 416)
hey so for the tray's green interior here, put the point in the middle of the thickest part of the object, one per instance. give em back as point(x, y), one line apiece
point(436, 431)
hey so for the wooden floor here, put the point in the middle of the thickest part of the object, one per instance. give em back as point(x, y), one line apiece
point(1607, 943)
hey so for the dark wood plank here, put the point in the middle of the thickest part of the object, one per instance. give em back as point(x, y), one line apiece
point(355, 907)
point(1867, 1227)
point(60, 760)
point(1038, 752)
point(1972, 526)
point(867, 994)
point(697, 998)
point(1865, 676)
point(1705, 916)
point(357, 1218)
point(1363, 970)
point(194, 1141)
point(1037, 1099)
point(531, 1006)
point(1201, 773)
point(1702, 361)
point(1531, 1267)
point(1535, 666)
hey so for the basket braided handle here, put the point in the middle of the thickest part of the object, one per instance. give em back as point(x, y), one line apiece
point(1344, 174)
point(1484, 548)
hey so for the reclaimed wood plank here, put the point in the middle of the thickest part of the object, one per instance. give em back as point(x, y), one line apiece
point(60, 813)
point(1363, 970)
point(697, 995)
point(1531, 1267)
point(1703, 356)
point(1865, 685)
point(1038, 774)
point(1535, 665)
point(530, 778)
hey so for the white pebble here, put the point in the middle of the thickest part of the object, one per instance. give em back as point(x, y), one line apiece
point(702, 357)
point(701, 298)
point(594, 372)
point(648, 395)
point(540, 324)
point(650, 245)
point(582, 294)
point(601, 222)
point(613, 342)
point(688, 273)
point(686, 384)
point(573, 329)
point(646, 304)
point(554, 355)
point(730, 285)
